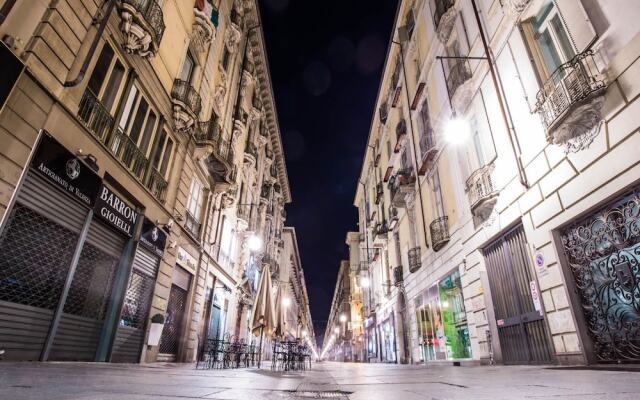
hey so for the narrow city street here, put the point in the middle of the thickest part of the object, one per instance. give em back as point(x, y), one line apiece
point(85, 381)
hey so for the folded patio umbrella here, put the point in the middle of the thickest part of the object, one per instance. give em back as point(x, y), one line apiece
point(263, 319)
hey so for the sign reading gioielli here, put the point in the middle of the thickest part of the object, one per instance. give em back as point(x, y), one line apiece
point(110, 207)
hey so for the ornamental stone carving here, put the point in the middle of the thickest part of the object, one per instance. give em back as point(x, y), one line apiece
point(137, 40)
point(515, 7)
point(218, 98)
point(232, 38)
point(447, 21)
point(204, 32)
point(578, 130)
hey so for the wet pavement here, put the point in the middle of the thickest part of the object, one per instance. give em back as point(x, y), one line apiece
point(86, 381)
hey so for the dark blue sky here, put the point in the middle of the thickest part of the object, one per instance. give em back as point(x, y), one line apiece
point(326, 59)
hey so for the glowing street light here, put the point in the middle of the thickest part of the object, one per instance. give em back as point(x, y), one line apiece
point(254, 243)
point(336, 330)
point(457, 131)
point(286, 302)
point(365, 282)
point(343, 318)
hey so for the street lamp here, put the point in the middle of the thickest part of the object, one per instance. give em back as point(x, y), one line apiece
point(254, 243)
point(343, 318)
point(286, 302)
point(365, 283)
point(457, 131)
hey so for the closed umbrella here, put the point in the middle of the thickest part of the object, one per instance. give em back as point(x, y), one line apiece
point(280, 324)
point(263, 310)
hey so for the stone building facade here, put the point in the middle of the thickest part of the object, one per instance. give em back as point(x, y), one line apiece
point(498, 197)
point(139, 154)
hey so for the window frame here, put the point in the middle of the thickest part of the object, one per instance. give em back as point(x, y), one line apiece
point(120, 91)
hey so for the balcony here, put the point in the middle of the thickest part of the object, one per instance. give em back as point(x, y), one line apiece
point(393, 217)
point(401, 135)
point(428, 152)
point(383, 113)
point(398, 276)
point(439, 229)
point(250, 153)
point(414, 259)
point(265, 192)
point(570, 102)
point(247, 216)
point(142, 26)
point(482, 192)
point(219, 159)
point(186, 106)
point(444, 18)
point(459, 74)
point(400, 185)
point(380, 231)
point(240, 121)
point(379, 193)
point(100, 123)
point(192, 225)
point(204, 26)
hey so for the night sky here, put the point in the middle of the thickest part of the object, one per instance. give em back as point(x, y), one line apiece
point(326, 60)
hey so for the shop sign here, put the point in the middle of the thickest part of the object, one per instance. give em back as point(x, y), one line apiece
point(153, 238)
point(185, 259)
point(535, 295)
point(111, 208)
point(62, 168)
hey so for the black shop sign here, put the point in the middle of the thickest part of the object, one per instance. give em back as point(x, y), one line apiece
point(111, 208)
point(153, 238)
point(66, 171)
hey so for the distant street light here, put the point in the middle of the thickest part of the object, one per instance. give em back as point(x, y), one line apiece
point(457, 131)
point(286, 302)
point(364, 282)
point(343, 318)
point(254, 243)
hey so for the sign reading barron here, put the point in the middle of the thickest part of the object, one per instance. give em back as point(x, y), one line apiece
point(114, 210)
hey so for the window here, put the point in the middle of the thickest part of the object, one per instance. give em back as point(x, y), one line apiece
point(227, 244)
point(194, 203)
point(138, 120)
point(548, 40)
point(163, 148)
point(186, 73)
point(437, 193)
point(107, 78)
point(226, 56)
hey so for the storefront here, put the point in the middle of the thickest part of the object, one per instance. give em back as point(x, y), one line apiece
point(387, 335)
point(371, 338)
point(66, 246)
point(442, 321)
point(217, 306)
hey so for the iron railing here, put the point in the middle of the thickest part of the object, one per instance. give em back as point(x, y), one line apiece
point(192, 224)
point(235, 17)
point(570, 84)
point(442, 6)
point(459, 73)
point(428, 151)
point(265, 191)
point(439, 229)
point(101, 124)
point(379, 193)
point(400, 184)
point(480, 186)
point(183, 92)
point(208, 133)
point(251, 150)
point(381, 229)
point(414, 259)
point(393, 217)
point(151, 12)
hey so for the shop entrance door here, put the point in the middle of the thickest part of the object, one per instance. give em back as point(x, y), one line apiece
point(603, 255)
point(170, 339)
point(521, 328)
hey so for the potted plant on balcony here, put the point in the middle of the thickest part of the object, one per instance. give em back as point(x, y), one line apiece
point(155, 331)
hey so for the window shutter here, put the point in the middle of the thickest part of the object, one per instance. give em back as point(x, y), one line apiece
point(577, 22)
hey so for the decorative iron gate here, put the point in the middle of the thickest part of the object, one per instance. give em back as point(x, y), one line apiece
point(603, 255)
point(521, 328)
point(170, 340)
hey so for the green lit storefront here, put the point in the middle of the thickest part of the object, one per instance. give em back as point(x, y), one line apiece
point(443, 333)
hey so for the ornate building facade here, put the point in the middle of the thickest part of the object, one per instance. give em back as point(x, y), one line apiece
point(498, 196)
point(142, 175)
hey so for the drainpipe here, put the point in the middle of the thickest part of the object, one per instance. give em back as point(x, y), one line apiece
point(6, 9)
point(94, 44)
point(521, 173)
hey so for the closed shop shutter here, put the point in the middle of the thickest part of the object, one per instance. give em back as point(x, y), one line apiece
point(135, 310)
point(37, 246)
point(84, 311)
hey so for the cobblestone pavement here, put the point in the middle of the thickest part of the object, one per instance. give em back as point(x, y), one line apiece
point(84, 381)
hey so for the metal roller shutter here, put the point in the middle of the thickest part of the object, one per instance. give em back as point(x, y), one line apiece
point(37, 246)
point(135, 311)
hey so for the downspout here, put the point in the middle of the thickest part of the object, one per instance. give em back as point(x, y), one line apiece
point(499, 93)
point(94, 45)
point(6, 9)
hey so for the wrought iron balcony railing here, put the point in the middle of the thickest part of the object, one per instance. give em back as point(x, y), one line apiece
point(182, 92)
point(191, 224)
point(481, 189)
point(398, 275)
point(101, 124)
point(414, 259)
point(442, 6)
point(393, 217)
point(439, 229)
point(208, 133)
point(428, 151)
point(401, 184)
point(401, 135)
point(573, 84)
point(459, 73)
point(380, 231)
point(141, 17)
point(379, 193)
point(251, 150)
